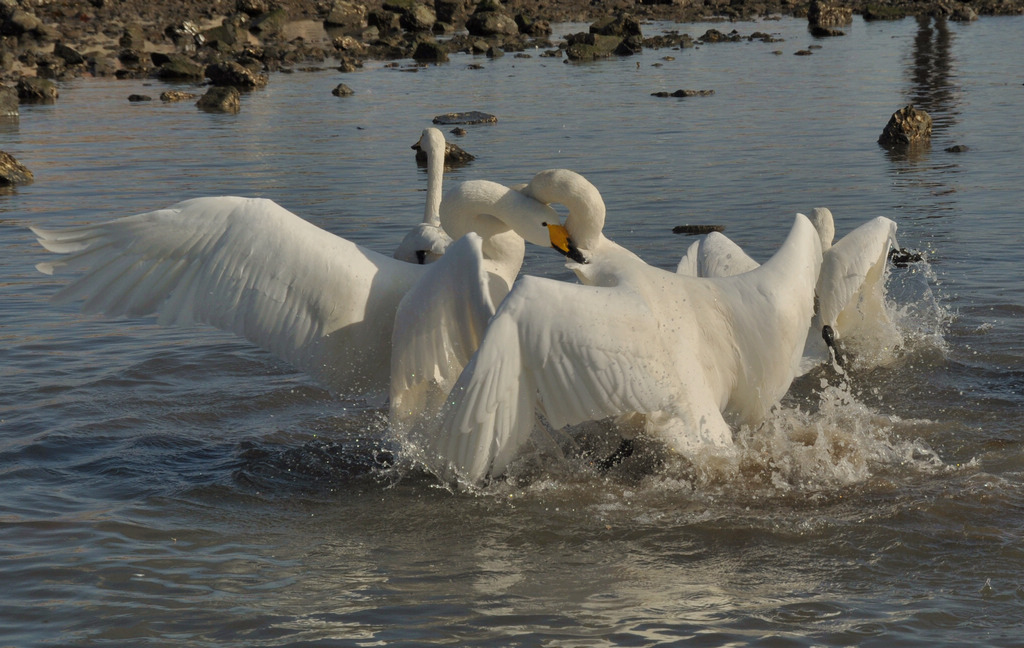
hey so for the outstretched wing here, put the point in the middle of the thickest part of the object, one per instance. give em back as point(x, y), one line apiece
point(248, 266)
point(439, 325)
point(715, 255)
point(853, 274)
point(574, 353)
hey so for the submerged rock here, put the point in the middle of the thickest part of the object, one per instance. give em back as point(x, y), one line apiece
point(466, 118)
point(908, 126)
point(221, 99)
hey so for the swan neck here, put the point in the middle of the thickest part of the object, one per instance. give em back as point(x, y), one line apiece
point(435, 178)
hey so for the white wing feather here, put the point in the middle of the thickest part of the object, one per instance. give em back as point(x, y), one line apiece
point(715, 255)
point(248, 266)
point(591, 360)
point(439, 325)
point(853, 271)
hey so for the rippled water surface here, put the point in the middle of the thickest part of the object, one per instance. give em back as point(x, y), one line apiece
point(179, 487)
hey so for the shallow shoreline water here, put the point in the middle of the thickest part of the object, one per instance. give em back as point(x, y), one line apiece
point(169, 486)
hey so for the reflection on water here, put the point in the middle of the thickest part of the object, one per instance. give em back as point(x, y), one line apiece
point(932, 72)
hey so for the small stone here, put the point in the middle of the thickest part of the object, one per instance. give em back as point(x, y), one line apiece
point(171, 96)
point(139, 97)
point(342, 90)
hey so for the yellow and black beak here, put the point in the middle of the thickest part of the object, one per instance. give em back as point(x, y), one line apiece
point(560, 241)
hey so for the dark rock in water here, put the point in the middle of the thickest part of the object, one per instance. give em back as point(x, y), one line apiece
point(958, 148)
point(825, 32)
point(684, 93)
point(135, 98)
point(177, 67)
point(342, 90)
point(8, 101)
point(590, 47)
point(458, 131)
point(430, 51)
point(908, 126)
point(36, 90)
point(231, 73)
point(697, 230)
point(669, 40)
point(454, 156)
point(171, 96)
point(13, 172)
point(825, 14)
point(465, 118)
point(715, 36)
point(803, 52)
point(221, 99)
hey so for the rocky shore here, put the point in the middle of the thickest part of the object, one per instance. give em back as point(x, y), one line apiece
point(235, 42)
point(227, 46)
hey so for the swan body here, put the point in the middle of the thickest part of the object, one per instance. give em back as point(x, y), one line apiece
point(247, 265)
point(459, 293)
point(851, 286)
point(683, 352)
point(427, 241)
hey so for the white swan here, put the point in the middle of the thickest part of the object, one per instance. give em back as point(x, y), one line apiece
point(679, 350)
point(427, 241)
point(851, 286)
point(460, 292)
point(246, 265)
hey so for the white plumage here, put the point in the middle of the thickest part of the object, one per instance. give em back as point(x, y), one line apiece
point(851, 286)
point(684, 352)
point(249, 266)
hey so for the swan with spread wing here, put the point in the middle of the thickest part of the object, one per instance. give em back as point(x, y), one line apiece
point(689, 355)
point(249, 266)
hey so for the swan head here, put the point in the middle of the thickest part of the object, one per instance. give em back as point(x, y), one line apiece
point(431, 141)
point(821, 218)
point(586, 216)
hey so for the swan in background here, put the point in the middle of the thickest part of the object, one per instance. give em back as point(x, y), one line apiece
point(682, 352)
point(247, 265)
point(851, 286)
point(427, 241)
